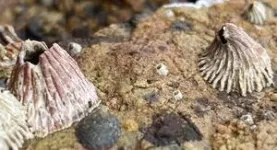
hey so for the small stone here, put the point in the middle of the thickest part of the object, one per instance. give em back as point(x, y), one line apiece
point(99, 130)
point(130, 125)
point(253, 127)
point(181, 26)
point(151, 97)
point(270, 115)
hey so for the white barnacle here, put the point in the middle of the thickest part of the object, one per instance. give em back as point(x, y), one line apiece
point(74, 49)
point(255, 13)
point(13, 126)
point(162, 69)
point(234, 62)
point(177, 95)
point(247, 119)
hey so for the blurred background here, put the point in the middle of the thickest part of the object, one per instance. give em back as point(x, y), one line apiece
point(57, 20)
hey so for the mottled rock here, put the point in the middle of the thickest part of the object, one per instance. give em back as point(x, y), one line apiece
point(99, 130)
point(130, 125)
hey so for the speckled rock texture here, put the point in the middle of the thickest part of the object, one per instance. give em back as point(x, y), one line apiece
point(121, 62)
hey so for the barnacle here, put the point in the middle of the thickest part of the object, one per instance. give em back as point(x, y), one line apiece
point(13, 126)
point(255, 13)
point(10, 46)
point(235, 62)
point(161, 69)
point(52, 87)
point(74, 49)
point(177, 95)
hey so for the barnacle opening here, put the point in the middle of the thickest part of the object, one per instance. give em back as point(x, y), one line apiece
point(159, 66)
point(221, 36)
point(175, 93)
point(250, 7)
point(33, 56)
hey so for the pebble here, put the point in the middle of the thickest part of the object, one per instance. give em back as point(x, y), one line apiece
point(99, 130)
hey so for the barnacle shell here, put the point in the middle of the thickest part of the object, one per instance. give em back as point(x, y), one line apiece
point(51, 85)
point(256, 13)
point(13, 126)
point(235, 62)
point(9, 47)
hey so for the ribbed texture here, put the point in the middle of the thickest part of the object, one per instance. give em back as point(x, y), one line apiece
point(9, 47)
point(235, 62)
point(13, 126)
point(256, 13)
point(54, 90)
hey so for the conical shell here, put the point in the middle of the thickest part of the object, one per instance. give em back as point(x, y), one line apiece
point(9, 47)
point(235, 62)
point(256, 13)
point(13, 125)
point(51, 85)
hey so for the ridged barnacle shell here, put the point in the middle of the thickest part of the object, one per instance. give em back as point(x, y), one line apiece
point(255, 13)
point(13, 125)
point(235, 62)
point(51, 85)
point(9, 47)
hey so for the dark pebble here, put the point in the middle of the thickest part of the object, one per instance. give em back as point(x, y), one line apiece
point(171, 128)
point(99, 130)
point(181, 26)
point(151, 97)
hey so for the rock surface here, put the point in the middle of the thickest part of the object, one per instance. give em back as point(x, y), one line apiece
point(121, 62)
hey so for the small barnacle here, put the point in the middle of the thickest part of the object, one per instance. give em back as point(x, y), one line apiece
point(248, 119)
point(255, 13)
point(234, 62)
point(162, 69)
point(74, 49)
point(177, 95)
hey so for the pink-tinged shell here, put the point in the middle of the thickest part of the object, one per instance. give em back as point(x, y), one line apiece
point(51, 85)
point(13, 126)
point(235, 62)
point(9, 47)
